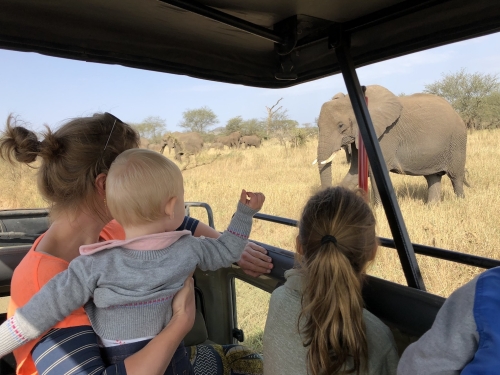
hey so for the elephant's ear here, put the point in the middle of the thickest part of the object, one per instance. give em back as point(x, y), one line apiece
point(338, 95)
point(385, 108)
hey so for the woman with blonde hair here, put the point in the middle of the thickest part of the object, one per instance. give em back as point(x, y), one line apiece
point(316, 322)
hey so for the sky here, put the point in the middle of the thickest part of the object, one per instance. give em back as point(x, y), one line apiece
point(48, 90)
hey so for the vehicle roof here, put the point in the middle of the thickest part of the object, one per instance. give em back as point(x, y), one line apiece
point(153, 35)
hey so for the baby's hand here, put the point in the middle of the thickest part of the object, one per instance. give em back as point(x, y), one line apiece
point(252, 200)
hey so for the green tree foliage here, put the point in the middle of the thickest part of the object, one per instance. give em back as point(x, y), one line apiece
point(299, 137)
point(281, 126)
point(234, 125)
point(253, 126)
point(475, 96)
point(198, 120)
point(492, 110)
point(152, 128)
point(246, 127)
point(310, 129)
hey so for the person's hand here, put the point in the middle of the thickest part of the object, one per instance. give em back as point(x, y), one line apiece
point(183, 305)
point(254, 261)
point(252, 200)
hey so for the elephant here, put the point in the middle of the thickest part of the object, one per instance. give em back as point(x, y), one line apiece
point(419, 135)
point(224, 140)
point(144, 143)
point(216, 146)
point(231, 140)
point(168, 141)
point(250, 140)
point(156, 147)
point(348, 152)
point(184, 144)
point(234, 139)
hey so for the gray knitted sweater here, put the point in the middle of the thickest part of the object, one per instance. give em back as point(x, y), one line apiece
point(128, 291)
point(284, 351)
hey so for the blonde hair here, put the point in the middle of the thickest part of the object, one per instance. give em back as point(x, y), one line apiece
point(331, 320)
point(139, 184)
point(70, 158)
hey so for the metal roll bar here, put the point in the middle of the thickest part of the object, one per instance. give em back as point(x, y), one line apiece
point(434, 252)
point(341, 43)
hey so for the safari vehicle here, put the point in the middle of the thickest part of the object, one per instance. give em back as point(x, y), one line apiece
point(268, 44)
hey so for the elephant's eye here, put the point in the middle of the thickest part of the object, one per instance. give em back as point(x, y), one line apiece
point(341, 125)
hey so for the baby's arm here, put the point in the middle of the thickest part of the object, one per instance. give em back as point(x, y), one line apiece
point(227, 249)
point(63, 294)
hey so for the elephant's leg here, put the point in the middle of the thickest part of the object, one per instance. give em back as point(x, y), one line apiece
point(458, 185)
point(434, 187)
point(350, 180)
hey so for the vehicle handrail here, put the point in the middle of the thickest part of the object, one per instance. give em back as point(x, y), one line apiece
point(434, 252)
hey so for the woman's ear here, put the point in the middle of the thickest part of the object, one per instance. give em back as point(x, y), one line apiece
point(170, 207)
point(100, 184)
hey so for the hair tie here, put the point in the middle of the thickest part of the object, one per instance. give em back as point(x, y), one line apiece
point(328, 238)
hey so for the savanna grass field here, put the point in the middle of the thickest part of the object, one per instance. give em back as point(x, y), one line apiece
point(287, 178)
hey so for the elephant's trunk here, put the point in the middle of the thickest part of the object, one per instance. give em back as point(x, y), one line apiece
point(325, 157)
point(325, 174)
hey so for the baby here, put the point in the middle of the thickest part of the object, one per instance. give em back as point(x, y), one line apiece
point(128, 285)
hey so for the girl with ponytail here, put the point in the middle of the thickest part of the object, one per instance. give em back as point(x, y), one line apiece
point(316, 323)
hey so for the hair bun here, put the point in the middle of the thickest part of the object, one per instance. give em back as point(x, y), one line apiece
point(19, 142)
point(51, 147)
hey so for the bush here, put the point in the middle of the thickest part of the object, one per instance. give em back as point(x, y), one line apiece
point(475, 96)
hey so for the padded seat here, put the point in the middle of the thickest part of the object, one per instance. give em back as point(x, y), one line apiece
point(198, 334)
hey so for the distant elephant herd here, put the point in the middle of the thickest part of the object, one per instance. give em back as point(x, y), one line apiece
point(419, 135)
point(187, 144)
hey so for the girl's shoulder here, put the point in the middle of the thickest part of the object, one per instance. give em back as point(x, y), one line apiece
point(383, 355)
point(374, 326)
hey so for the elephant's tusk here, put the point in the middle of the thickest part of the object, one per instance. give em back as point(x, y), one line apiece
point(315, 161)
point(329, 159)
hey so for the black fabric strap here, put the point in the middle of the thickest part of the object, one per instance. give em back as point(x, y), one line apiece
point(328, 238)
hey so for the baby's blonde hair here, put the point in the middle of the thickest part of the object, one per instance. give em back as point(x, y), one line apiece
point(139, 184)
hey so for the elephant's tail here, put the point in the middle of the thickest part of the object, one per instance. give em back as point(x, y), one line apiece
point(466, 177)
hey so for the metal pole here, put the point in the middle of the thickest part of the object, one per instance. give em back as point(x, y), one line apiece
point(226, 19)
point(379, 169)
point(362, 162)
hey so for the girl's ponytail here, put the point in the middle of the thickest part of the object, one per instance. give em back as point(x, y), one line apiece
point(332, 311)
point(337, 240)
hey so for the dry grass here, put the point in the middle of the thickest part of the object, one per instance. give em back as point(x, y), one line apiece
point(287, 178)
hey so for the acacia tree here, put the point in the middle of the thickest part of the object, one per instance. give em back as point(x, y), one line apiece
point(472, 95)
point(234, 124)
point(253, 126)
point(282, 127)
point(272, 113)
point(246, 127)
point(152, 128)
point(198, 120)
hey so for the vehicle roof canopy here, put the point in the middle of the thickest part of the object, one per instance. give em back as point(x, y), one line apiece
point(154, 35)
